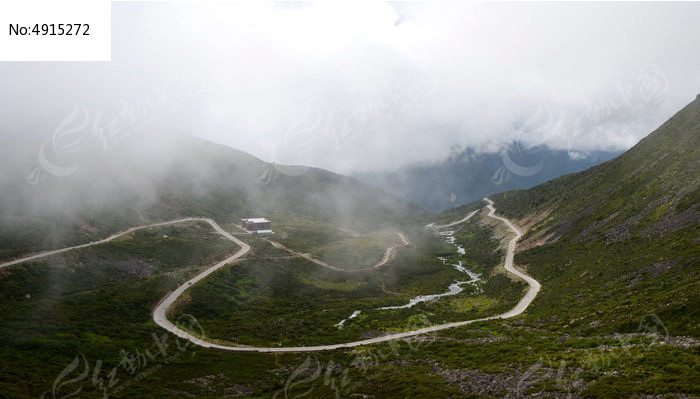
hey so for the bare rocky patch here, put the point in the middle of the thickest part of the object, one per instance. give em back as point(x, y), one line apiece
point(514, 384)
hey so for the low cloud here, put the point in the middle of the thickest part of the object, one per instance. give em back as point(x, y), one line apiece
point(369, 85)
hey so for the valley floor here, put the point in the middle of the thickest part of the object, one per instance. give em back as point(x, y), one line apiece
point(161, 310)
point(84, 320)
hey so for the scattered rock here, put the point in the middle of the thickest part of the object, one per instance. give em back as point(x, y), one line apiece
point(514, 384)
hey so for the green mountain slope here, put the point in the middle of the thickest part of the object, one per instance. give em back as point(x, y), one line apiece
point(620, 240)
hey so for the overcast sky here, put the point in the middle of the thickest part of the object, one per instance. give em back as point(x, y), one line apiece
point(371, 85)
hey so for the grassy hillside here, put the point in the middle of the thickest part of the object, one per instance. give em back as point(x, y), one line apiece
point(93, 302)
point(617, 251)
point(621, 239)
point(649, 190)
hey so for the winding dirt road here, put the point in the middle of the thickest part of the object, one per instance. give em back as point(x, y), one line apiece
point(388, 255)
point(305, 256)
point(534, 285)
point(108, 239)
point(462, 220)
point(160, 311)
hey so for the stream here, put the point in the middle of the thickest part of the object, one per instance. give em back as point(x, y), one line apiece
point(454, 288)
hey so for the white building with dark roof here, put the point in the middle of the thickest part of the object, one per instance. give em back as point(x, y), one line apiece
point(257, 225)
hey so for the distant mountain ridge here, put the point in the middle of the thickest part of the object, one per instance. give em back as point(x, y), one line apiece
point(470, 175)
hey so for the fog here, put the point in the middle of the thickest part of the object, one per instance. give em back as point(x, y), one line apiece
point(363, 86)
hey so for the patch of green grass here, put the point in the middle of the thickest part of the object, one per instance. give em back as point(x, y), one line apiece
point(476, 304)
point(346, 285)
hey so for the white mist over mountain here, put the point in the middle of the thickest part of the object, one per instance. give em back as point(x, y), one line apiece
point(363, 86)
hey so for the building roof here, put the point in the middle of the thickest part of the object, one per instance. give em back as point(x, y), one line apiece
point(264, 231)
point(256, 220)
